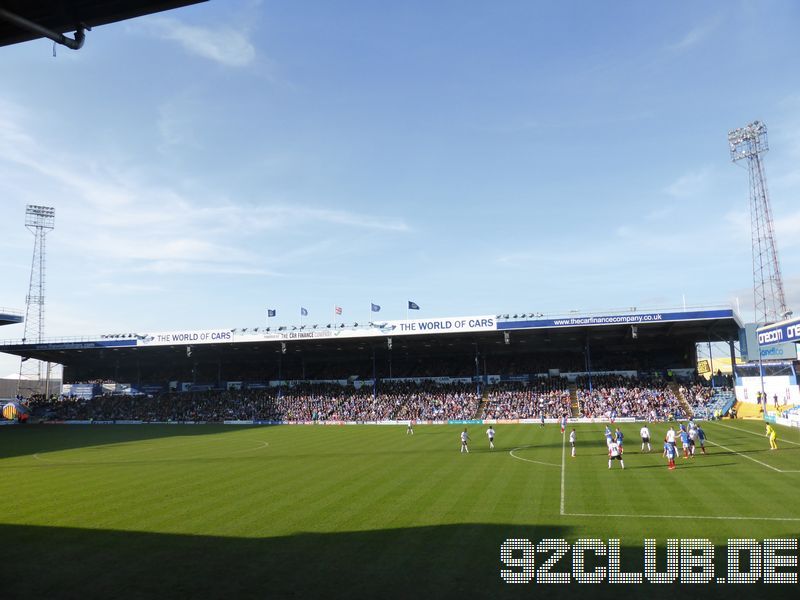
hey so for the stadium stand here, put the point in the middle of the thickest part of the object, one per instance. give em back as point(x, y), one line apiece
point(423, 400)
point(305, 402)
point(620, 396)
point(520, 367)
point(707, 402)
point(516, 400)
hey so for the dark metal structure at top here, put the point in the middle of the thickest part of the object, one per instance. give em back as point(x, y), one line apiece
point(25, 20)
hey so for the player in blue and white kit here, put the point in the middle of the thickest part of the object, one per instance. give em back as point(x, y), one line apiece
point(609, 437)
point(701, 437)
point(563, 424)
point(670, 439)
point(685, 442)
point(669, 452)
point(692, 439)
point(619, 437)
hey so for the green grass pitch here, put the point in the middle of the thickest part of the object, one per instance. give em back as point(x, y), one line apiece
point(362, 511)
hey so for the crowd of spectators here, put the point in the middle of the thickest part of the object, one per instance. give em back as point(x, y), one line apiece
point(697, 395)
point(426, 400)
point(304, 402)
point(621, 396)
point(549, 398)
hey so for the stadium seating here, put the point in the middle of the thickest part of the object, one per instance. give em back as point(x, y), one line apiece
point(711, 402)
point(419, 400)
point(426, 400)
point(516, 400)
point(621, 396)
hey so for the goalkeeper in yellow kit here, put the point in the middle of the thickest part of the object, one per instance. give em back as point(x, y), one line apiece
point(772, 437)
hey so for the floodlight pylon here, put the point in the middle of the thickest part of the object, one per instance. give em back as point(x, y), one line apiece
point(749, 144)
point(39, 220)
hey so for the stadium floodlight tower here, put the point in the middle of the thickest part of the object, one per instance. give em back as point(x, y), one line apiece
point(39, 220)
point(749, 143)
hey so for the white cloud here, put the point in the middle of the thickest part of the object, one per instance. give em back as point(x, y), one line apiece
point(690, 185)
point(659, 214)
point(224, 45)
point(275, 215)
point(176, 125)
point(163, 267)
point(127, 288)
point(695, 36)
point(133, 225)
point(787, 230)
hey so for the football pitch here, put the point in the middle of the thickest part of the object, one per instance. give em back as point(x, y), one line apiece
point(368, 511)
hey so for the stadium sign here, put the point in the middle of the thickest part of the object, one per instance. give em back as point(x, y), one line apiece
point(784, 331)
point(751, 349)
point(449, 325)
point(175, 338)
point(379, 329)
point(619, 319)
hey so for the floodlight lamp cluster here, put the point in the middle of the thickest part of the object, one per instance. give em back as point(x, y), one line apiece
point(40, 216)
point(119, 336)
point(520, 316)
point(748, 141)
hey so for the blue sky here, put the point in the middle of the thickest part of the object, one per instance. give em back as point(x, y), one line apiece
point(210, 162)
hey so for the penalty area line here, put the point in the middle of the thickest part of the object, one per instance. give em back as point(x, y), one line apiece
point(755, 460)
point(754, 433)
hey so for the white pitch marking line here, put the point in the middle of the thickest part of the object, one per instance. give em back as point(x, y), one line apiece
point(754, 433)
point(530, 460)
point(714, 517)
point(776, 469)
point(59, 462)
point(563, 455)
point(261, 447)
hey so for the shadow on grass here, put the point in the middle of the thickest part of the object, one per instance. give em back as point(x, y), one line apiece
point(448, 561)
point(426, 562)
point(22, 440)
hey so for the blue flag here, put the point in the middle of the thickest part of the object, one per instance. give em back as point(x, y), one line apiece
point(303, 312)
point(271, 312)
point(375, 307)
point(413, 305)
